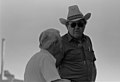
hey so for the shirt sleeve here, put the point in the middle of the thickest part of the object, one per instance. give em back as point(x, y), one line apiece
point(92, 51)
point(49, 70)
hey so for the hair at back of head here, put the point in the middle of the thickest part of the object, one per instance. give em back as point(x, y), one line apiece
point(47, 37)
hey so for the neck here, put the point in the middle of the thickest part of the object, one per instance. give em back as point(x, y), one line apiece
point(51, 51)
point(77, 38)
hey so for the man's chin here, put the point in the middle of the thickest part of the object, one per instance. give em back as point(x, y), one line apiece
point(78, 35)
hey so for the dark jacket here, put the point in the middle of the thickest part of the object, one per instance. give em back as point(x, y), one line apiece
point(77, 59)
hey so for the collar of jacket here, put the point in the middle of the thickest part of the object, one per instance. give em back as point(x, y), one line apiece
point(71, 38)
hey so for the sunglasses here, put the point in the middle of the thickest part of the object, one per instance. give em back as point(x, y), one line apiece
point(79, 24)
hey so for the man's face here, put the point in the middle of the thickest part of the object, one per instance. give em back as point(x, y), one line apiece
point(76, 28)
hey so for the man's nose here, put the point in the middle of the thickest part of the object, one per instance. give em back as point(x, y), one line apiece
point(77, 27)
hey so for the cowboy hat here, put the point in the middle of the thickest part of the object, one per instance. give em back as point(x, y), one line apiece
point(74, 14)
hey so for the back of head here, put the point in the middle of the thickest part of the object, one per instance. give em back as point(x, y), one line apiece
point(47, 37)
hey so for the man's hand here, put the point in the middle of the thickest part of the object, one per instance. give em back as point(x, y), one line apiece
point(62, 80)
point(65, 80)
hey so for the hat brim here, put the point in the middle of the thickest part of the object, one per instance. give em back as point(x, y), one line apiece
point(63, 21)
point(86, 17)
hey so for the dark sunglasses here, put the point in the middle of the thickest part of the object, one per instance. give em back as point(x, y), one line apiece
point(79, 24)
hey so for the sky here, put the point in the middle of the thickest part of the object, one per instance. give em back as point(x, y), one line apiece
point(22, 21)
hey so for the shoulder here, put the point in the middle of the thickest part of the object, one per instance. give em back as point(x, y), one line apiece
point(65, 36)
point(48, 56)
point(41, 55)
point(87, 38)
point(65, 39)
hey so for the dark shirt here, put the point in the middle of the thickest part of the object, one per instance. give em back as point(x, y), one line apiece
point(76, 61)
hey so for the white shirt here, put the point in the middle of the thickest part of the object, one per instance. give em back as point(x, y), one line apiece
point(41, 68)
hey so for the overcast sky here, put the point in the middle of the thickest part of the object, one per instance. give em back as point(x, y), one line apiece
point(24, 20)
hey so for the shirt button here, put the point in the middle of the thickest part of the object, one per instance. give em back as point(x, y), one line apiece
point(84, 62)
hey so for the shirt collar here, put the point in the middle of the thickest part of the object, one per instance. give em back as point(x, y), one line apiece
point(70, 38)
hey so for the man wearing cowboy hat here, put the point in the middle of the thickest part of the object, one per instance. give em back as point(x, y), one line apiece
point(77, 63)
